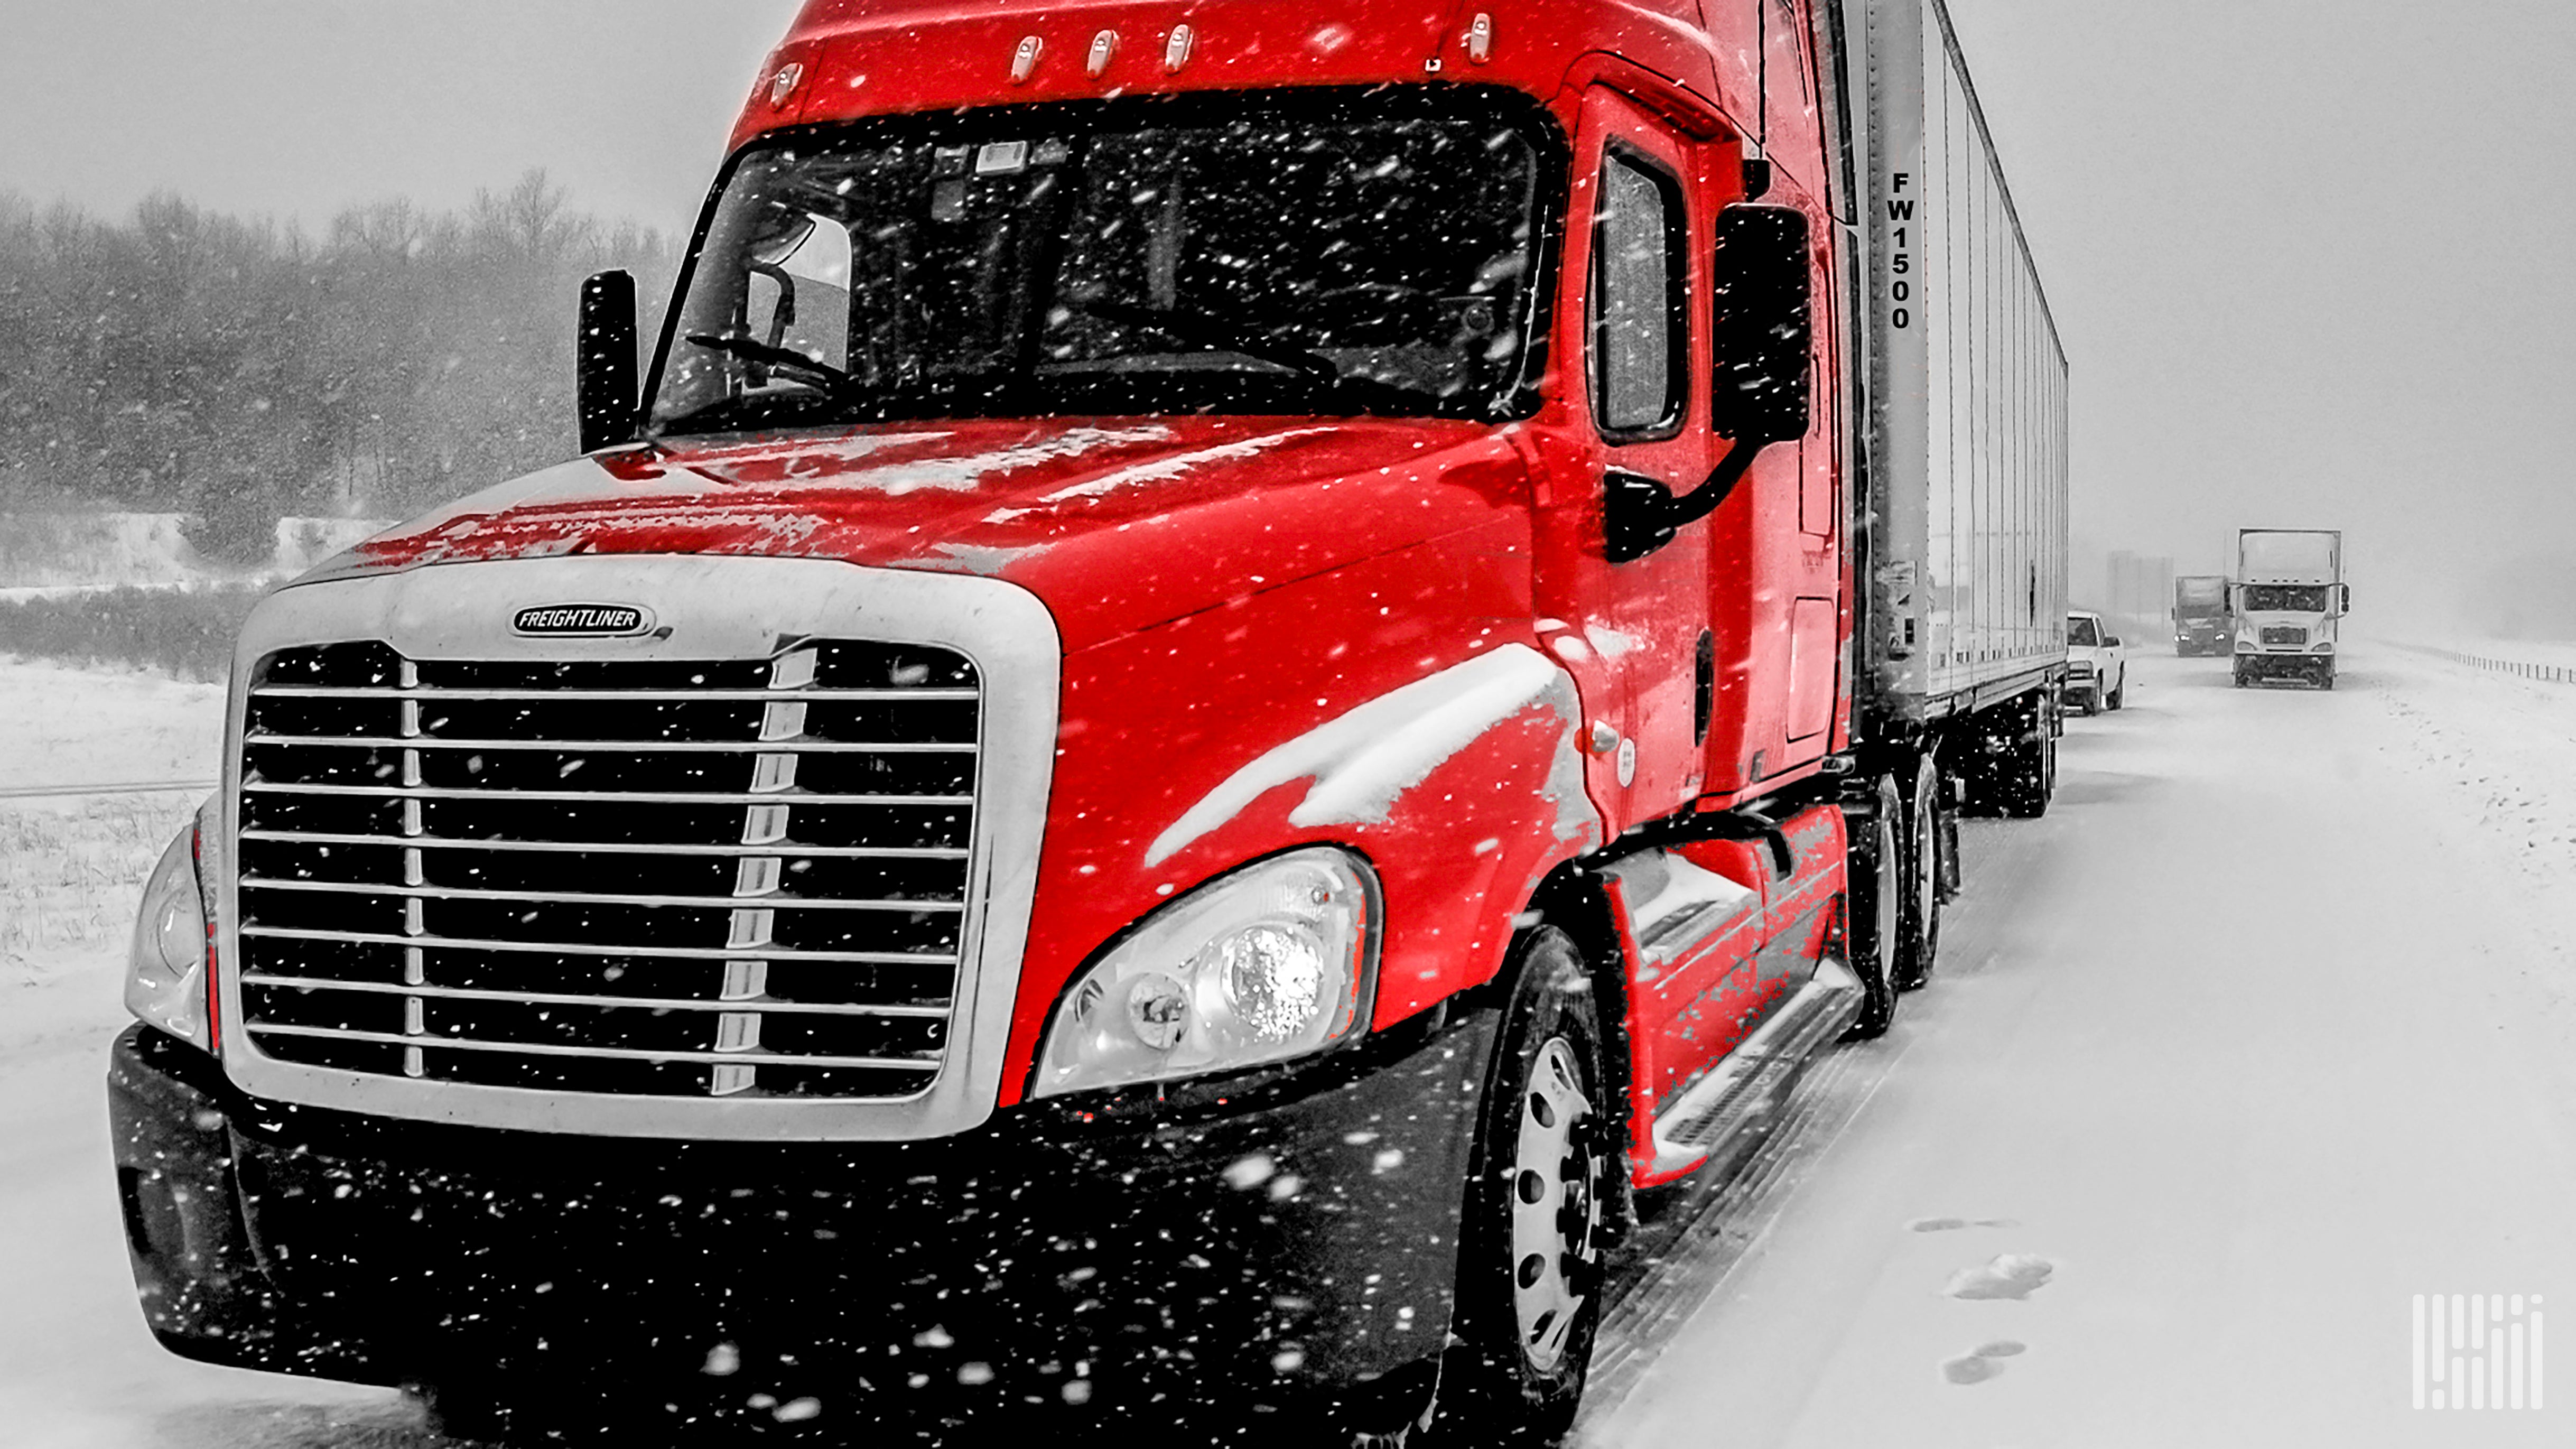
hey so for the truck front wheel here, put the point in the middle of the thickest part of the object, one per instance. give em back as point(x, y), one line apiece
point(1531, 1261)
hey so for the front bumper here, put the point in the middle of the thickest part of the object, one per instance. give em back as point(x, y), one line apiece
point(1279, 1238)
point(2283, 663)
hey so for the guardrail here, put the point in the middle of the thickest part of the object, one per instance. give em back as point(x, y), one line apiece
point(2522, 668)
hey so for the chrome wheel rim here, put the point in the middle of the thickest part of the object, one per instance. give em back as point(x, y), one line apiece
point(1556, 1211)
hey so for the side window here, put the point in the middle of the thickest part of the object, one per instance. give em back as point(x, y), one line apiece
point(798, 294)
point(1640, 307)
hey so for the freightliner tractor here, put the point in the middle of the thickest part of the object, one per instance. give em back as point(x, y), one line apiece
point(2290, 603)
point(2201, 621)
point(1242, 678)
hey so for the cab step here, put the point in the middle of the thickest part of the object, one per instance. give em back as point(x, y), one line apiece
point(1706, 1119)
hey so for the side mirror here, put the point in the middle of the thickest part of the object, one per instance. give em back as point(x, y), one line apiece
point(1762, 332)
point(2347, 598)
point(2110, 641)
point(604, 366)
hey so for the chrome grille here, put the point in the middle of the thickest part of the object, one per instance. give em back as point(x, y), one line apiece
point(693, 878)
point(2284, 635)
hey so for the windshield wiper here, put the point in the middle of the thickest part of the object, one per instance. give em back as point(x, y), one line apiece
point(1216, 334)
point(1222, 334)
point(784, 359)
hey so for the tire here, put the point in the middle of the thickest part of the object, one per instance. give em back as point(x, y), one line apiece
point(2025, 775)
point(2240, 676)
point(2326, 679)
point(1918, 937)
point(1530, 1278)
point(2120, 697)
point(1876, 908)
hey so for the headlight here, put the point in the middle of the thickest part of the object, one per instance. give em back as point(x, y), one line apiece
point(1268, 963)
point(2321, 647)
point(165, 972)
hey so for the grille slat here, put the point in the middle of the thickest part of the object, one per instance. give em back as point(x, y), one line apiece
point(800, 745)
point(617, 696)
point(427, 892)
point(763, 1004)
point(468, 893)
point(605, 797)
point(583, 948)
point(786, 848)
point(631, 1054)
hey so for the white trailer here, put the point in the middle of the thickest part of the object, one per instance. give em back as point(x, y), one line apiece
point(1960, 651)
point(1967, 440)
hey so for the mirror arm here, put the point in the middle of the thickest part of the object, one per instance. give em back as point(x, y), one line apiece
point(1640, 515)
point(1702, 501)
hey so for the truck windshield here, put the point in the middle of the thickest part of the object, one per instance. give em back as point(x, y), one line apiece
point(2285, 598)
point(1322, 253)
point(2201, 593)
point(2081, 633)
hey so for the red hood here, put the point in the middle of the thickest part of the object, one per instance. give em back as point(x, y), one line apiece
point(1117, 524)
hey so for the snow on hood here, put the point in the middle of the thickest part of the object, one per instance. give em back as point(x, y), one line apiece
point(1118, 524)
point(1362, 759)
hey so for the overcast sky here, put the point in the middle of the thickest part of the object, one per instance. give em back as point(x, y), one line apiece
point(2311, 262)
point(301, 107)
point(2310, 257)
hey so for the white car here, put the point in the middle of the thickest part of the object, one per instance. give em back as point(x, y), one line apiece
point(2097, 664)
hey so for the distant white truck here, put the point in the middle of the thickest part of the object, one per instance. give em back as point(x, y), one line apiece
point(2290, 598)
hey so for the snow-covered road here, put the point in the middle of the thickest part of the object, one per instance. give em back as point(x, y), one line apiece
point(2265, 1028)
point(2262, 1031)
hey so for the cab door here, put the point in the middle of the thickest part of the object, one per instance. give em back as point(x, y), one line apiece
point(1629, 399)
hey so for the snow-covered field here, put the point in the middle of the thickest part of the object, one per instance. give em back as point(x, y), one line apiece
point(2267, 1026)
point(71, 865)
point(76, 1366)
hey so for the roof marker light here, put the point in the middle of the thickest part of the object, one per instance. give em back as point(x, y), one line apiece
point(783, 84)
point(1480, 38)
point(1024, 61)
point(1103, 47)
point(1176, 48)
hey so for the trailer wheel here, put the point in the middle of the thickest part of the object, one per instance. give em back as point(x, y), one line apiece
point(2024, 774)
point(1918, 935)
point(1876, 909)
point(1531, 1264)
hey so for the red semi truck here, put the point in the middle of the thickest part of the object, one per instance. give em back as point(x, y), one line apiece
point(1243, 674)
